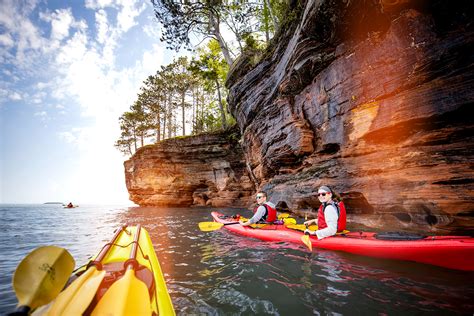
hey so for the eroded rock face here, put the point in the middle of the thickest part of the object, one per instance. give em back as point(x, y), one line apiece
point(380, 108)
point(201, 170)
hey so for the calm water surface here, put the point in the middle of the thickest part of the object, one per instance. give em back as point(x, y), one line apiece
point(219, 273)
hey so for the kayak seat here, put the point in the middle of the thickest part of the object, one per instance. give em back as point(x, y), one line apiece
point(114, 271)
point(399, 236)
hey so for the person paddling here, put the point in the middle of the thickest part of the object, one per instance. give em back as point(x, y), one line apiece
point(263, 212)
point(331, 215)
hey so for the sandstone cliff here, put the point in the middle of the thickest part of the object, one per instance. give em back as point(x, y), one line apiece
point(201, 170)
point(373, 98)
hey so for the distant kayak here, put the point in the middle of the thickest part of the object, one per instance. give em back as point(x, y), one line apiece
point(68, 206)
point(124, 278)
point(454, 252)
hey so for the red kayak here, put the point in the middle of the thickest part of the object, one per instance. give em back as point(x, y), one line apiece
point(453, 252)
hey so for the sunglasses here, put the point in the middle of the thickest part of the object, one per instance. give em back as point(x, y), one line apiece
point(259, 196)
point(323, 194)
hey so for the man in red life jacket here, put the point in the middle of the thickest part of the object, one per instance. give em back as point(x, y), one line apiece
point(331, 218)
point(264, 212)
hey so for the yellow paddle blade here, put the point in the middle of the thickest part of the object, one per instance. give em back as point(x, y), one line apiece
point(41, 275)
point(261, 225)
point(302, 227)
point(283, 215)
point(209, 226)
point(289, 221)
point(127, 296)
point(305, 239)
point(75, 299)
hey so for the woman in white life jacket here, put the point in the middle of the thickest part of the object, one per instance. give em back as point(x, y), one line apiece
point(331, 215)
point(263, 212)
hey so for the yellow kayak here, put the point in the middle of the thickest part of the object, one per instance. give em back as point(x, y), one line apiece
point(124, 278)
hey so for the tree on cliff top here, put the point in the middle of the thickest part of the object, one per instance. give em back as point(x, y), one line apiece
point(212, 68)
point(210, 18)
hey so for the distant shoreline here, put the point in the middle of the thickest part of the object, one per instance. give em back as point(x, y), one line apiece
point(54, 203)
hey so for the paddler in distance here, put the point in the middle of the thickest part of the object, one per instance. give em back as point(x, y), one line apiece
point(264, 212)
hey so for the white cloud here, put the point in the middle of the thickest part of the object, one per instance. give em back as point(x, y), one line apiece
point(101, 25)
point(38, 98)
point(152, 30)
point(7, 8)
point(61, 21)
point(42, 113)
point(15, 96)
point(6, 40)
point(98, 4)
point(126, 16)
point(28, 39)
point(41, 85)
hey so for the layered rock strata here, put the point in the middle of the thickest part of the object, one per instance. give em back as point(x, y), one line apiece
point(200, 170)
point(374, 100)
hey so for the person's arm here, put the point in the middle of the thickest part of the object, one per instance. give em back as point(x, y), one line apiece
point(256, 217)
point(331, 217)
point(311, 221)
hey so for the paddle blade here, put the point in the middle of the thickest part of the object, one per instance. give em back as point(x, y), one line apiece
point(283, 215)
point(41, 275)
point(302, 227)
point(127, 296)
point(289, 221)
point(307, 242)
point(209, 226)
point(75, 299)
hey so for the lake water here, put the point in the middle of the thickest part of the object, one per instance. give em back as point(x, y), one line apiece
point(219, 273)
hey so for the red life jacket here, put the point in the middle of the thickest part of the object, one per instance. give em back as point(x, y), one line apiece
point(270, 213)
point(341, 212)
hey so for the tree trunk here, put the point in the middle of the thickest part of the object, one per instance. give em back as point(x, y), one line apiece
point(170, 117)
point(182, 107)
point(158, 127)
point(275, 22)
point(220, 40)
point(193, 120)
point(221, 106)
point(165, 112)
point(135, 139)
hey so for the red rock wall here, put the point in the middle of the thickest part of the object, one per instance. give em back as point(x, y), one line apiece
point(379, 108)
point(201, 170)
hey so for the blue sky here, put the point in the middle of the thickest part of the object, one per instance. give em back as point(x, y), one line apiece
point(69, 69)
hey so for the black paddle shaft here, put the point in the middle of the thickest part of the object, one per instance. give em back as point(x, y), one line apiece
point(20, 311)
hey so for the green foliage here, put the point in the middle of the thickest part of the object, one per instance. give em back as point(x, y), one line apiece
point(180, 93)
point(204, 19)
point(211, 67)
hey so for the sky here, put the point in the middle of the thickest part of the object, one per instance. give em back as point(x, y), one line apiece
point(69, 69)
